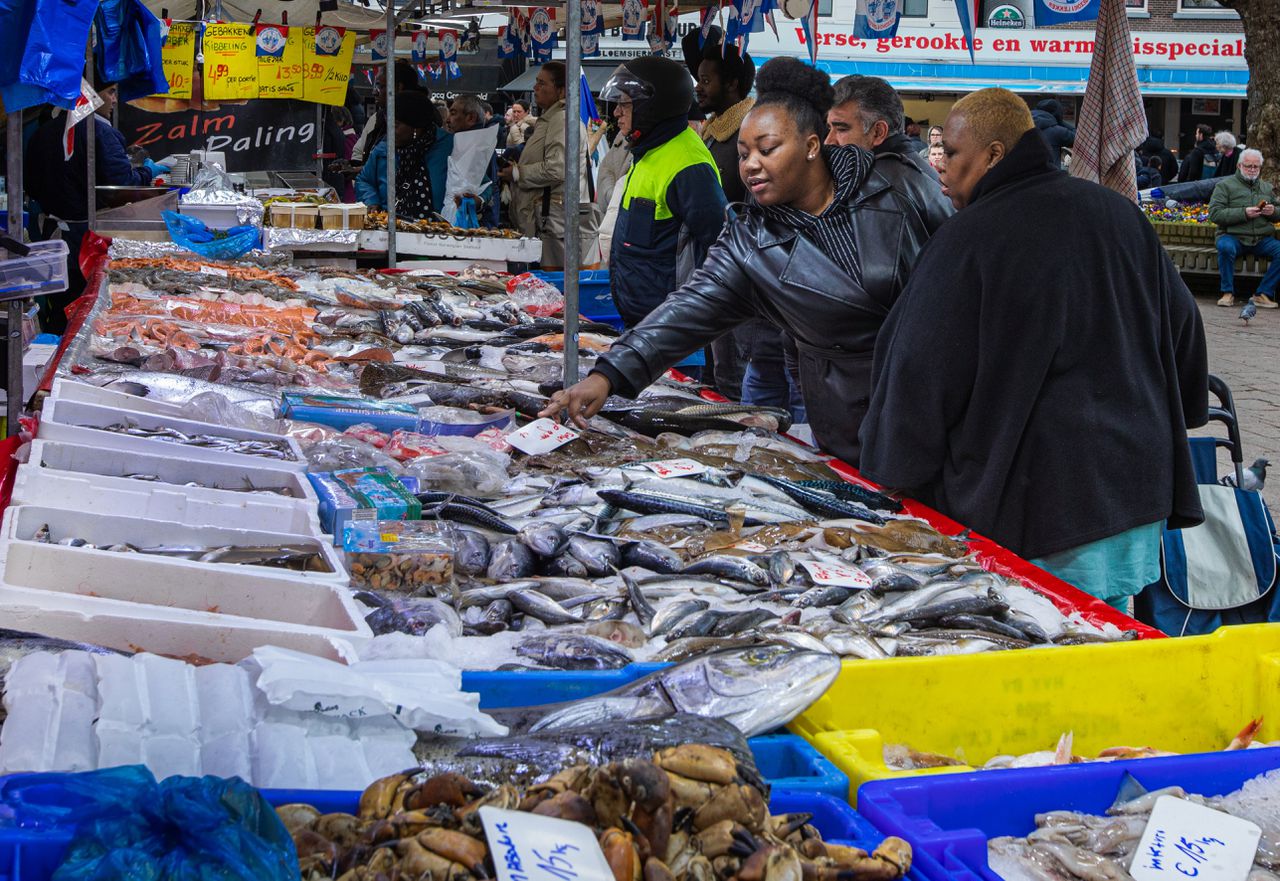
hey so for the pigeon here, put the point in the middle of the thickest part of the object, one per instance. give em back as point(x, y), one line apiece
point(1255, 476)
point(1250, 310)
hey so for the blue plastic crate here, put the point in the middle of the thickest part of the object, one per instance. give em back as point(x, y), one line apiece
point(531, 688)
point(949, 818)
point(790, 763)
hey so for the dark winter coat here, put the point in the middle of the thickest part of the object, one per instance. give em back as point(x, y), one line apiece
point(1045, 404)
point(1154, 146)
point(61, 186)
point(1048, 118)
point(761, 268)
point(920, 183)
point(1193, 166)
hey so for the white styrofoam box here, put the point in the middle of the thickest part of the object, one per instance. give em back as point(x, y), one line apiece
point(212, 216)
point(85, 478)
point(118, 625)
point(35, 360)
point(77, 422)
point(70, 390)
point(21, 522)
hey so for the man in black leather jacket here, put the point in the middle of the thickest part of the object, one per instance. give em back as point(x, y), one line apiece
point(868, 113)
point(822, 253)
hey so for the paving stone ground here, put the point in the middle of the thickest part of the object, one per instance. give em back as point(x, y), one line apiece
point(1247, 358)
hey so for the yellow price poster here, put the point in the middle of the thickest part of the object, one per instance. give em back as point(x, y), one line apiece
point(178, 55)
point(230, 64)
point(279, 51)
point(326, 63)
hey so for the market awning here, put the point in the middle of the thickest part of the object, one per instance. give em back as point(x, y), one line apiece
point(597, 75)
point(914, 76)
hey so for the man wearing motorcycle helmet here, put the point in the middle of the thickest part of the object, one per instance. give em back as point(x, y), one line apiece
point(673, 206)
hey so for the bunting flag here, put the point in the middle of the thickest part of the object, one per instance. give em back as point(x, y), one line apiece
point(434, 71)
point(378, 44)
point(449, 54)
point(507, 46)
point(542, 34)
point(329, 40)
point(1112, 122)
point(708, 19)
point(591, 29)
point(878, 19)
point(1049, 12)
point(521, 24)
point(418, 49)
point(970, 12)
point(663, 35)
point(86, 103)
point(422, 71)
point(634, 13)
point(587, 104)
point(810, 26)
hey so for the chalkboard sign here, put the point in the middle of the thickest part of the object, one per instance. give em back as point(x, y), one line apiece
point(258, 135)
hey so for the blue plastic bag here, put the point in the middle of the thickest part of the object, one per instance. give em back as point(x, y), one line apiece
point(130, 828)
point(53, 60)
point(128, 50)
point(193, 235)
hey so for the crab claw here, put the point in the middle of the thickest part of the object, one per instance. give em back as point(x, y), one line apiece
point(1246, 735)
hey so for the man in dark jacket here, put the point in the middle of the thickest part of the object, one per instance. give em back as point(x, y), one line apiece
point(868, 113)
point(672, 205)
point(1048, 118)
point(1202, 162)
point(1045, 406)
point(1154, 146)
point(61, 186)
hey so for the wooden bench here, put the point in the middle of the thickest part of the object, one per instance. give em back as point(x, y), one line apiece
point(1199, 259)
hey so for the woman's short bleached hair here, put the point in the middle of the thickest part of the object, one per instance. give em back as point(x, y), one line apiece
point(995, 115)
point(1225, 140)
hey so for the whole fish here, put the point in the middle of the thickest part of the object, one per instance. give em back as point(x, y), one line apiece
point(652, 556)
point(852, 492)
point(458, 512)
point(651, 503)
point(701, 624)
point(822, 504)
point(644, 611)
point(542, 607)
point(672, 614)
point(727, 566)
point(568, 651)
point(739, 622)
point(509, 560)
point(758, 689)
point(599, 557)
point(411, 615)
point(544, 539)
point(470, 552)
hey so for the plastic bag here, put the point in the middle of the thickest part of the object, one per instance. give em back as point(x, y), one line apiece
point(130, 828)
point(535, 296)
point(219, 410)
point(128, 50)
point(193, 235)
point(468, 467)
point(468, 164)
point(53, 59)
point(343, 452)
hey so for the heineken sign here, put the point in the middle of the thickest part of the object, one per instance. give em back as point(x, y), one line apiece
point(1006, 17)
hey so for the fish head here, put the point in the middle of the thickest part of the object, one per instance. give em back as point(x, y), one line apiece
point(757, 688)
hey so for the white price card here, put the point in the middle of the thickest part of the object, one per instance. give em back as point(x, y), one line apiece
point(541, 436)
point(531, 847)
point(1186, 840)
point(837, 574)
point(212, 270)
point(752, 547)
point(676, 468)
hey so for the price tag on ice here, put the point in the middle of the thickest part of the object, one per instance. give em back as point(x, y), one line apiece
point(1185, 840)
point(676, 468)
point(213, 270)
point(531, 847)
point(837, 574)
point(541, 436)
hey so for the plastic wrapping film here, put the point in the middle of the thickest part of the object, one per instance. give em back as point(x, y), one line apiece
point(122, 249)
point(213, 186)
point(275, 238)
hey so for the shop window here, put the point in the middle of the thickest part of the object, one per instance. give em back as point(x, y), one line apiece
point(1135, 5)
point(1204, 8)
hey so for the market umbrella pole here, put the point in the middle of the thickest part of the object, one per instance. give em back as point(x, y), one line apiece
point(572, 186)
point(13, 171)
point(390, 79)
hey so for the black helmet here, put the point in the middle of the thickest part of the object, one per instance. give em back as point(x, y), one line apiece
point(659, 89)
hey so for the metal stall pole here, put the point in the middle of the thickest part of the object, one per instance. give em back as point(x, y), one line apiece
point(13, 309)
point(91, 146)
point(320, 140)
point(572, 185)
point(390, 78)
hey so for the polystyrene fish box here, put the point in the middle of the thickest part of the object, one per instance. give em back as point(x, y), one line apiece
point(79, 477)
point(80, 423)
point(22, 522)
point(69, 390)
point(117, 625)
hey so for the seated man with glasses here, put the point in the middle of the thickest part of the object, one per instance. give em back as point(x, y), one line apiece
point(1244, 208)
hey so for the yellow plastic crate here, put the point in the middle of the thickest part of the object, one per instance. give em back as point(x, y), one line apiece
point(1185, 695)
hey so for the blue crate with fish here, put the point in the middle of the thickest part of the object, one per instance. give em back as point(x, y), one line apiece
point(529, 688)
point(949, 820)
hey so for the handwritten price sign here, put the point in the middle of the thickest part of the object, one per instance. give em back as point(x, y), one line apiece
point(281, 75)
point(675, 468)
point(541, 436)
point(179, 59)
point(531, 847)
point(837, 574)
point(1185, 840)
point(230, 62)
point(325, 73)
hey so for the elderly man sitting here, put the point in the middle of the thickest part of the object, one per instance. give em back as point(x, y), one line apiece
point(1244, 208)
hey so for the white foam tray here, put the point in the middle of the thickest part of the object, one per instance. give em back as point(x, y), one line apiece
point(64, 389)
point(21, 522)
point(80, 423)
point(118, 625)
point(86, 478)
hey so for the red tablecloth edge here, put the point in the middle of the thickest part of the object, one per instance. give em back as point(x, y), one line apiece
point(93, 265)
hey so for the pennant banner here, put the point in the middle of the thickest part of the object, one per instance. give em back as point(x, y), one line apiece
point(542, 34)
point(970, 12)
point(419, 49)
point(230, 62)
point(508, 47)
point(280, 67)
point(634, 13)
point(178, 55)
point(378, 45)
point(1049, 12)
point(449, 54)
point(810, 26)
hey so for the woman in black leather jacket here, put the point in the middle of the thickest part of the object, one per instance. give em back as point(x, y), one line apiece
point(822, 253)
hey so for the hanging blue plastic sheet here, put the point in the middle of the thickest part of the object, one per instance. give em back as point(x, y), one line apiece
point(130, 828)
point(128, 51)
point(53, 56)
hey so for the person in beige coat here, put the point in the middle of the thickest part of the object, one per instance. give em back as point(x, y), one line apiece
point(537, 182)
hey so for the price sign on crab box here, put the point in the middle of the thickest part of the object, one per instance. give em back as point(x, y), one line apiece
point(541, 436)
point(836, 574)
point(1186, 840)
point(530, 847)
